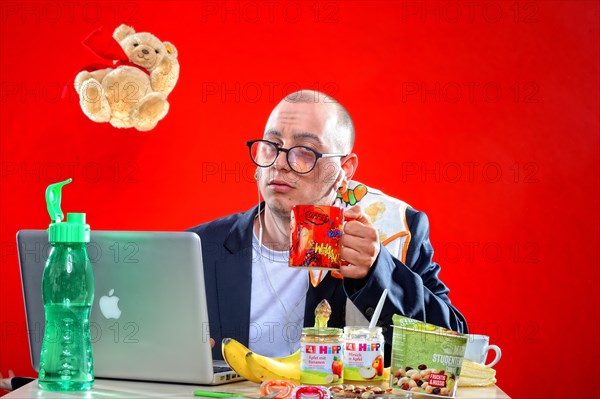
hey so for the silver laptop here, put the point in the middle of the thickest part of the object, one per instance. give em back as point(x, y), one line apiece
point(149, 319)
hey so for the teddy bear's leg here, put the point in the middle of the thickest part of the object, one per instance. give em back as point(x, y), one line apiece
point(151, 108)
point(93, 101)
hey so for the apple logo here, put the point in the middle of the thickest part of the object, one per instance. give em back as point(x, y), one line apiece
point(109, 306)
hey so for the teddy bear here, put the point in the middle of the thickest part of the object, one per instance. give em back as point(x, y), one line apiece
point(132, 92)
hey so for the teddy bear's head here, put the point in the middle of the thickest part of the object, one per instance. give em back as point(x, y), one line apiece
point(143, 48)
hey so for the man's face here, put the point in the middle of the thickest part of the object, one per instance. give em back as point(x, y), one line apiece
point(306, 124)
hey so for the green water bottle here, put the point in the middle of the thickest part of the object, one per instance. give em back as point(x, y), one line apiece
point(68, 292)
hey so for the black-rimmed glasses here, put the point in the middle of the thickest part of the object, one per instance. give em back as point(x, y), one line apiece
point(301, 159)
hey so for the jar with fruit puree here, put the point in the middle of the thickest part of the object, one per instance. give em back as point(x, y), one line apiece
point(321, 356)
point(363, 354)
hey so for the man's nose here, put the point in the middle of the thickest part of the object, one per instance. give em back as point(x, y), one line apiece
point(145, 51)
point(281, 161)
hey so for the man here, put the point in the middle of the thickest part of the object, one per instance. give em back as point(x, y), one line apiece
point(304, 157)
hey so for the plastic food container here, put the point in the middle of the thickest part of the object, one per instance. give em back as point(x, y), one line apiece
point(426, 359)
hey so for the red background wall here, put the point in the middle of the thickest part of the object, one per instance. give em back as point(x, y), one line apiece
point(482, 114)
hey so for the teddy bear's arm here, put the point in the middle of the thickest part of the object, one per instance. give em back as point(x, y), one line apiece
point(164, 77)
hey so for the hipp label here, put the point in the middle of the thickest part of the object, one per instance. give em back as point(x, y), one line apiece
point(363, 346)
point(363, 360)
point(321, 364)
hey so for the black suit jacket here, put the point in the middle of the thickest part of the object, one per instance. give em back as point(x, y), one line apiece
point(414, 289)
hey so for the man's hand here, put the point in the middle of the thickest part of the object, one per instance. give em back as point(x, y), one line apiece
point(360, 244)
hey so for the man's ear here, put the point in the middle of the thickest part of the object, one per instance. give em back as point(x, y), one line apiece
point(172, 50)
point(349, 165)
point(122, 32)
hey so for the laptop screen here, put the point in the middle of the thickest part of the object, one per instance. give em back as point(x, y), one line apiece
point(149, 319)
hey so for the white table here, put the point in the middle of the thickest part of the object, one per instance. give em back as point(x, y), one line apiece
point(108, 389)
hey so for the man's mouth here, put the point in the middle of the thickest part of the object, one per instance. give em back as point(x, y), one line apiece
point(279, 182)
point(278, 185)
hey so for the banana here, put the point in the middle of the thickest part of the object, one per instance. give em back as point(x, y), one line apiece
point(258, 368)
point(234, 354)
point(266, 368)
point(260, 372)
point(294, 358)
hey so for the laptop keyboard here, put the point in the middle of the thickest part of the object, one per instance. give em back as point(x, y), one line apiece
point(221, 369)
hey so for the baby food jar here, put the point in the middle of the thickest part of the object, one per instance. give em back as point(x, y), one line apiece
point(363, 354)
point(321, 356)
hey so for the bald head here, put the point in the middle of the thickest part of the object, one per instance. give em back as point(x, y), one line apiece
point(340, 125)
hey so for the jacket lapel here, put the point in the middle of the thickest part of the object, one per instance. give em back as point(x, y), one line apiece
point(234, 279)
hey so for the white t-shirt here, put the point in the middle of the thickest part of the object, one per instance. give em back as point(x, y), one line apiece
point(277, 302)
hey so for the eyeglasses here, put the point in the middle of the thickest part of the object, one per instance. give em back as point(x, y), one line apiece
point(301, 159)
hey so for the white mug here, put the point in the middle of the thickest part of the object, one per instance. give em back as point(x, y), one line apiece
point(478, 347)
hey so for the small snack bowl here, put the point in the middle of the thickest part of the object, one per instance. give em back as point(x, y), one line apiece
point(311, 392)
point(284, 387)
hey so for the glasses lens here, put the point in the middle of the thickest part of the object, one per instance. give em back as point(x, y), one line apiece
point(301, 159)
point(263, 153)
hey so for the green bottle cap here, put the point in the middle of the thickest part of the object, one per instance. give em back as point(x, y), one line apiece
point(74, 229)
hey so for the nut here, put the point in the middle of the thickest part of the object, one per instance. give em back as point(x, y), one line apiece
point(395, 381)
point(444, 391)
point(411, 372)
point(416, 376)
point(415, 389)
point(412, 383)
point(403, 380)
